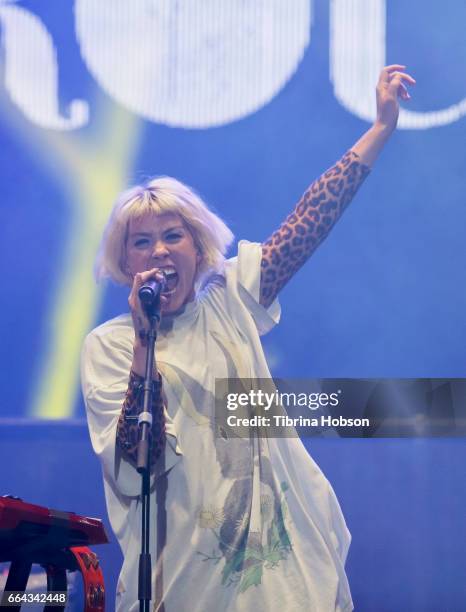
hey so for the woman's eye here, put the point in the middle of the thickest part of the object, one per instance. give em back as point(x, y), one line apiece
point(173, 236)
point(142, 242)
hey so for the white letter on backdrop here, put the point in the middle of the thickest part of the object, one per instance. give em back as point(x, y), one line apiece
point(31, 71)
point(193, 64)
point(357, 54)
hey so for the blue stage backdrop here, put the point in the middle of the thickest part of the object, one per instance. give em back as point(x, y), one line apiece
point(247, 102)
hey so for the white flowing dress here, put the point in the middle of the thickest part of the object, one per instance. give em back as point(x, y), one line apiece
point(252, 524)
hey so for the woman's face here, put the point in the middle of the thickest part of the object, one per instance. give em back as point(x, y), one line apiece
point(164, 242)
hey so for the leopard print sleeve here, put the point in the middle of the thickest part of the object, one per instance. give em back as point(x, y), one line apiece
point(127, 430)
point(306, 227)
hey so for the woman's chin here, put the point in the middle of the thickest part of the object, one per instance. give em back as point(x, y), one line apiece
point(172, 306)
point(174, 303)
point(167, 307)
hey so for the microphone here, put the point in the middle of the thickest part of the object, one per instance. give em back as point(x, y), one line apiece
point(150, 291)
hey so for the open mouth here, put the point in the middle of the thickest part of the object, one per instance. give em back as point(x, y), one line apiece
point(171, 281)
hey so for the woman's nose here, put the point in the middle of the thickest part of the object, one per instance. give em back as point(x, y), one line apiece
point(159, 250)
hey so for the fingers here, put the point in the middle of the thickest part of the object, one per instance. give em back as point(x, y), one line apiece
point(142, 277)
point(396, 85)
point(403, 76)
point(394, 67)
point(388, 70)
point(403, 92)
point(393, 80)
point(140, 322)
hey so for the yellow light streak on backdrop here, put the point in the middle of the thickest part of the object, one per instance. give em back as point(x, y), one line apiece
point(91, 167)
point(96, 172)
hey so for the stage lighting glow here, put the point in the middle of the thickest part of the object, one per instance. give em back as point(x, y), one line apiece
point(93, 177)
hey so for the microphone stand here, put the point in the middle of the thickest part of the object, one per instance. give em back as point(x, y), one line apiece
point(152, 311)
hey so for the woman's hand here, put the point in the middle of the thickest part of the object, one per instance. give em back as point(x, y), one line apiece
point(391, 86)
point(140, 321)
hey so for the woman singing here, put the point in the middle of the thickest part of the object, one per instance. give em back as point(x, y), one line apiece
point(252, 523)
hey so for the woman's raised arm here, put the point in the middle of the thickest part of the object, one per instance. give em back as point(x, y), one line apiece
point(326, 198)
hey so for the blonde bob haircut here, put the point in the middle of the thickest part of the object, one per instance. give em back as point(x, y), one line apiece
point(162, 195)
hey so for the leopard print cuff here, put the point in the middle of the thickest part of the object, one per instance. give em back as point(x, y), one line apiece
point(128, 427)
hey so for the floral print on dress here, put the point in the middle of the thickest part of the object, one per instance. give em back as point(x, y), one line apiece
point(245, 564)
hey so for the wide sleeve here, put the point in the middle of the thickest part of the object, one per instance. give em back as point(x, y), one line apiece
point(105, 368)
point(243, 277)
